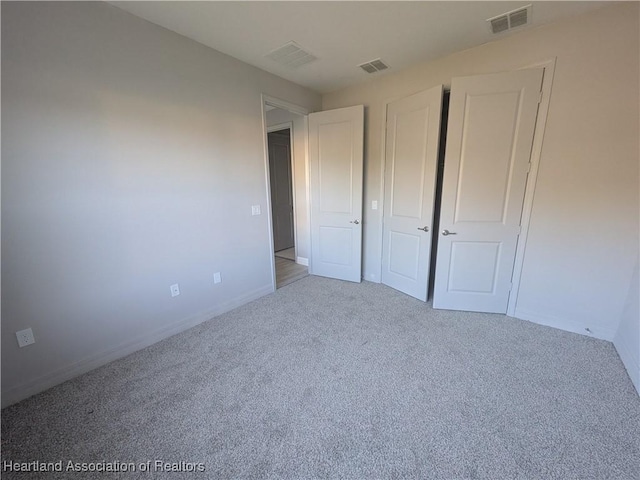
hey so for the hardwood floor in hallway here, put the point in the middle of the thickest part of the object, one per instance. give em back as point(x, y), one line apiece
point(288, 271)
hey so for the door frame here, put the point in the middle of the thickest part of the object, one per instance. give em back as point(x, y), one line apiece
point(278, 128)
point(549, 67)
point(265, 100)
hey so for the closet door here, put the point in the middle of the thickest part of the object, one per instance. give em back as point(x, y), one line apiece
point(411, 158)
point(490, 133)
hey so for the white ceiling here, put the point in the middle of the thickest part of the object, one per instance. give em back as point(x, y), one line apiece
point(342, 34)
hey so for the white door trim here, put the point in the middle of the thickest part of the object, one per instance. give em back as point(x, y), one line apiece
point(284, 105)
point(529, 192)
point(281, 126)
point(293, 108)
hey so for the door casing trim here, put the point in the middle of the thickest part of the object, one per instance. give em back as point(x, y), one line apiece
point(529, 191)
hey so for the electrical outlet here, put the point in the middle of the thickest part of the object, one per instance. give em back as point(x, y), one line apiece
point(255, 210)
point(25, 337)
point(217, 278)
point(374, 205)
point(175, 290)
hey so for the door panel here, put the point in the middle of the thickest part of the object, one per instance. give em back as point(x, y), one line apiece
point(484, 201)
point(490, 134)
point(484, 256)
point(332, 242)
point(281, 189)
point(335, 168)
point(404, 265)
point(335, 178)
point(413, 132)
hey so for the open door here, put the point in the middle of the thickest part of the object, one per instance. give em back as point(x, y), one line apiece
point(490, 133)
point(335, 179)
point(411, 160)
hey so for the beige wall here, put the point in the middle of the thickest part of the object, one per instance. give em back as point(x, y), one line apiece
point(131, 157)
point(583, 234)
point(278, 116)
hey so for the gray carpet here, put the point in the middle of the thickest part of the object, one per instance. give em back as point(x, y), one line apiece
point(328, 379)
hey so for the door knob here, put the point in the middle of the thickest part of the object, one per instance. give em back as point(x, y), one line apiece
point(425, 228)
point(447, 232)
point(354, 221)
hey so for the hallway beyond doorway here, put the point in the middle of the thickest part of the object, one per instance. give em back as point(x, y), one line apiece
point(288, 271)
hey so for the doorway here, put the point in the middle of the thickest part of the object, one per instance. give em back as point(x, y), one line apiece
point(491, 127)
point(279, 142)
point(444, 119)
point(287, 193)
point(327, 240)
point(475, 212)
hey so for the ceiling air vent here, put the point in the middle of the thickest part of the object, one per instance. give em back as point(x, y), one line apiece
point(509, 20)
point(291, 55)
point(374, 66)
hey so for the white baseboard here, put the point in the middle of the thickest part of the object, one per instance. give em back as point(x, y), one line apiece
point(625, 348)
point(302, 261)
point(55, 377)
point(564, 324)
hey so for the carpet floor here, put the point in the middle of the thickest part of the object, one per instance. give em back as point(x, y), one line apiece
point(329, 379)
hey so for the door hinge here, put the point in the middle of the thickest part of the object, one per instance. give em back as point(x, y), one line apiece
point(510, 285)
point(528, 167)
point(540, 98)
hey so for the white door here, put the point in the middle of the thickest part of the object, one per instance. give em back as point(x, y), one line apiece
point(490, 133)
point(411, 159)
point(335, 179)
